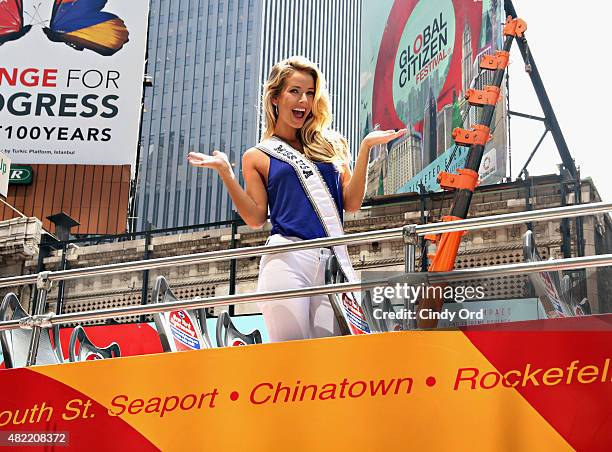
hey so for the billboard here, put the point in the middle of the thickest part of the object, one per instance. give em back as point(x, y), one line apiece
point(71, 77)
point(418, 59)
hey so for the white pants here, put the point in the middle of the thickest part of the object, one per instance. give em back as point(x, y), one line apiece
point(296, 318)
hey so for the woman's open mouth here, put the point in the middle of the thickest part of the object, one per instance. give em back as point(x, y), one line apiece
point(299, 113)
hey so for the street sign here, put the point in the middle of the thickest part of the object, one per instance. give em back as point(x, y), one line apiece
point(5, 166)
point(20, 174)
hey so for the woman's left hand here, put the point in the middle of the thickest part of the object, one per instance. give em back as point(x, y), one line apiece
point(382, 137)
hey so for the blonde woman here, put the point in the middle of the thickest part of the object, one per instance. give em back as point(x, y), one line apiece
point(298, 116)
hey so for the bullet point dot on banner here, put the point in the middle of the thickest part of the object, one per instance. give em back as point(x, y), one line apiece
point(431, 381)
point(234, 396)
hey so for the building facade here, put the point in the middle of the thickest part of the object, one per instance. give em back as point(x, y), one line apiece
point(445, 128)
point(208, 60)
point(203, 57)
point(404, 161)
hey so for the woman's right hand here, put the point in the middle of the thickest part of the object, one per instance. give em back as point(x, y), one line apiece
point(217, 161)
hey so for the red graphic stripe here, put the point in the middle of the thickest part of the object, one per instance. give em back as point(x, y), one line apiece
point(580, 412)
point(41, 404)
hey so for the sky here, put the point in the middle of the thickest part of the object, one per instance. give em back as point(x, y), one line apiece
point(568, 42)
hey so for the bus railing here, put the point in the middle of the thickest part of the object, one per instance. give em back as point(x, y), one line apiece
point(48, 320)
point(349, 239)
point(409, 233)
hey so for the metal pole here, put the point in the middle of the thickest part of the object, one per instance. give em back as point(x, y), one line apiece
point(411, 239)
point(537, 146)
point(43, 252)
point(566, 245)
point(134, 184)
point(43, 284)
point(144, 291)
point(508, 117)
point(232, 274)
point(513, 218)
point(582, 286)
point(424, 219)
point(528, 205)
point(579, 221)
point(60, 287)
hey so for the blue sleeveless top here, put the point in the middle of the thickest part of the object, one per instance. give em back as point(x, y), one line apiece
point(291, 212)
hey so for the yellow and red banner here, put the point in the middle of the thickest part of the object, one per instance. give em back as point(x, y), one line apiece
point(542, 385)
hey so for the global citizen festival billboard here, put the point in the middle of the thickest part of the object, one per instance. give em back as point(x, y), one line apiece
point(71, 77)
point(418, 59)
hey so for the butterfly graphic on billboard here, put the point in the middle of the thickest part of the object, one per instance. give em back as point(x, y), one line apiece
point(81, 24)
point(11, 20)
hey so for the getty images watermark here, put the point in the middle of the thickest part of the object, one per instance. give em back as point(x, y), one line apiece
point(396, 300)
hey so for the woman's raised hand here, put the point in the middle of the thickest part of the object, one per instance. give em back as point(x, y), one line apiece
point(217, 161)
point(382, 136)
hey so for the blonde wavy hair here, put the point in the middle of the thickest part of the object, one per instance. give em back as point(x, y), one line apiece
point(320, 143)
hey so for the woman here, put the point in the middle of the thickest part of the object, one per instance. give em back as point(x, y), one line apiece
point(296, 107)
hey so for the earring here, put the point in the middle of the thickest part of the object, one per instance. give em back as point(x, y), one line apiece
point(275, 109)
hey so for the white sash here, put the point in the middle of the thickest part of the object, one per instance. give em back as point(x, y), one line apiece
point(324, 206)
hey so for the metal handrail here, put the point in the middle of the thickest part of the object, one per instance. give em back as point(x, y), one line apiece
point(357, 238)
point(414, 278)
